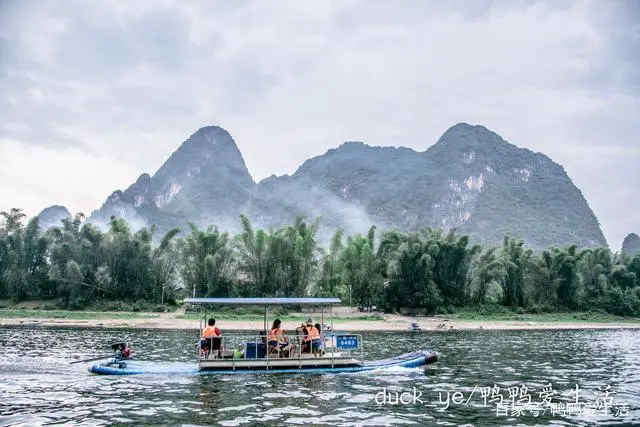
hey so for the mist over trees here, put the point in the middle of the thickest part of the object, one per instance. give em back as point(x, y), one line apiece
point(433, 270)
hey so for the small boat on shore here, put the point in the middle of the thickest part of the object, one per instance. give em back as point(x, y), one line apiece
point(242, 353)
point(414, 327)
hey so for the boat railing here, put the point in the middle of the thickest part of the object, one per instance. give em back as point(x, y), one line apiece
point(234, 346)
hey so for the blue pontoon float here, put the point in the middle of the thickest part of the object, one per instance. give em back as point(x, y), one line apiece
point(239, 353)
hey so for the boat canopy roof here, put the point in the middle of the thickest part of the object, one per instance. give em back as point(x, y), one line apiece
point(263, 301)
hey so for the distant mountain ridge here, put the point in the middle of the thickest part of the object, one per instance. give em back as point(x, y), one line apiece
point(204, 181)
point(53, 216)
point(471, 180)
point(631, 244)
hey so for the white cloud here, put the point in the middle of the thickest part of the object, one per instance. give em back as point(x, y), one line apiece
point(118, 87)
point(34, 177)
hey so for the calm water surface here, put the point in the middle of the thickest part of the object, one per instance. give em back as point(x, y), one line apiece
point(38, 386)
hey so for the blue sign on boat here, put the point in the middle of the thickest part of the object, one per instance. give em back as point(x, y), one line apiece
point(347, 342)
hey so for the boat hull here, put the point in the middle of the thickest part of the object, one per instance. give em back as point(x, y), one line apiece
point(409, 360)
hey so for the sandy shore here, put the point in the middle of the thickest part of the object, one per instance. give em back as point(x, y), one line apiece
point(390, 323)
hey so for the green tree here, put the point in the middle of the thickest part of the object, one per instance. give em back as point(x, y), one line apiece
point(253, 261)
point(489, 269)
point(411, 273)
point(331, 266)
point(360, 274)
point(208, 265)
point(516, 259)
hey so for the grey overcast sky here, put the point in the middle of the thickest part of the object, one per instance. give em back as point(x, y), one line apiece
point(93, 93)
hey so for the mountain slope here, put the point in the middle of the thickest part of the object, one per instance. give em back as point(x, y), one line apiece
point(471, 180)
point(53, 216)
point(204, 181)
point(631, 244)
point(498, 188)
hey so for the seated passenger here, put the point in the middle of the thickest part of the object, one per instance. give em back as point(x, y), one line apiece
point(211, 330)
point(278, 341)
point(312, 341)
point(127, 352)
point(208, 335)
point(301, 331)
point(122, 351)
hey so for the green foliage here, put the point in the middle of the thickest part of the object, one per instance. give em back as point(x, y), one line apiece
point(77, 266)
point(206, 262)
point(331, 270)
point(276, 262)
point(360, 270)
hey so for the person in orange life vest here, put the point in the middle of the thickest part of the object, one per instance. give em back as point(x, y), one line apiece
point(312, 341)
point(278, 341)
point(209, 332)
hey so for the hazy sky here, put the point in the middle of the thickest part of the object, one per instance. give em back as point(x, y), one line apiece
point(93, 93)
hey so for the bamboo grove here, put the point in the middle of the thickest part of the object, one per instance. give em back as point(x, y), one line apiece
point(76, 264)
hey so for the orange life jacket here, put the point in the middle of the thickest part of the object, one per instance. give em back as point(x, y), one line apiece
point(211, 331)
point(277, 334)
point(312, 333)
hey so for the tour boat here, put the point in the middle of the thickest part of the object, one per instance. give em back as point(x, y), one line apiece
point(238, 353)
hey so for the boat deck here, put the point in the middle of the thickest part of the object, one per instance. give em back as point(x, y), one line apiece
point(298, 362)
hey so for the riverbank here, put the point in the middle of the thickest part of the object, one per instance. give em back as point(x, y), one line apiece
point(342, 322)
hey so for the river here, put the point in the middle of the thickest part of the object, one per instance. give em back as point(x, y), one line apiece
point(38, 385)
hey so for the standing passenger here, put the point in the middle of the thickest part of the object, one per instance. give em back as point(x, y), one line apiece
point(319, 328)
